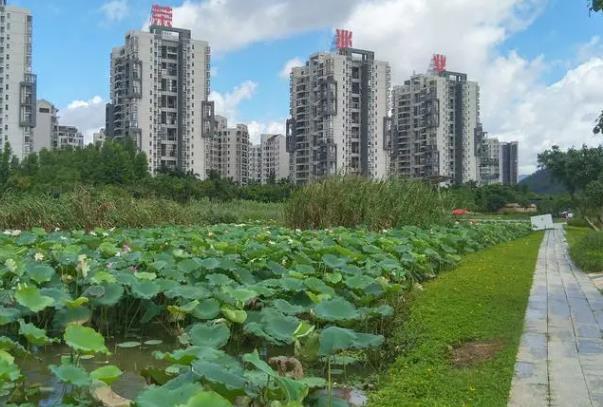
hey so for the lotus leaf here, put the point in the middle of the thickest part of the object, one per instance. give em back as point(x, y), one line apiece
point(235, 315)
point(107, 374)
point(113, 292)
point(207, 309)
point(206, 399)
point(34, 335)
point(9, 371)
point(165, 396)
point(67, 316)
point(144, 289)
point(334, 339)
point(129, 344)
point(209, 335)
point(336, 309)
point(188, 292)
point(103, 277)
point(287, 308)
point(70, 374)
point(8, 315)
point(84, 339)
point(40, 273)
point(334, 262)
point(30, 297)
point(219, 368)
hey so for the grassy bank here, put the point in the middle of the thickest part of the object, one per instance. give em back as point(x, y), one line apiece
point(586, 248)
point(477, 309)
point(89, 208)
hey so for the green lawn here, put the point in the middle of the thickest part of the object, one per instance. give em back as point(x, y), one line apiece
point(483, 299)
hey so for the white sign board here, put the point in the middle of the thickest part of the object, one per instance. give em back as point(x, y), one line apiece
point(543, 222)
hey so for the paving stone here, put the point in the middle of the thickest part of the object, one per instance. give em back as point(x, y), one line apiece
point(560, 356)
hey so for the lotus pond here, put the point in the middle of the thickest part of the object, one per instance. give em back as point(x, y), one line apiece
point(226, 315)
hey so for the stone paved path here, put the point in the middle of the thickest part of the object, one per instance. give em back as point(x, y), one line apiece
point(560, 358)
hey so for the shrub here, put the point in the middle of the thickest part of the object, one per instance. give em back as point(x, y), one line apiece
point(355, 201)
point(587, 253)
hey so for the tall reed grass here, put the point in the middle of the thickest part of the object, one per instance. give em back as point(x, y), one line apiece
point(355, 201)
point(88, 208)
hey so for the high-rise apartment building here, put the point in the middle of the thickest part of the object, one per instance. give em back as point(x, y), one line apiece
point(229, 151)
point(490, 162)
point(436, 130)
point(269, 161)
point(17, 82)
point(160, 83)
point(255, 163)
point(339, 104)
point(45, 132)
point(510, 162)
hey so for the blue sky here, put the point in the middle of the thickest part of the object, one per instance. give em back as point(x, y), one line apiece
point(528, 55)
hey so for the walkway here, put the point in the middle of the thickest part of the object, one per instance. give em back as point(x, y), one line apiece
point(560, 358)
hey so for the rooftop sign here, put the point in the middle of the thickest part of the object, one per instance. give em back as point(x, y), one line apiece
point(161, 16)
point(439, 63)
point(343, 39)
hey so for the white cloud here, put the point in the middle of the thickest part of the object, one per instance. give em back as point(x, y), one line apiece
point(227, 104)
point(256, 129)
point(87, 115)
point(115, 10)
point(560, 114)
point(289, 65)
point(232, 24)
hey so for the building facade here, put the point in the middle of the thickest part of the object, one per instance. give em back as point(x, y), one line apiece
point(160, 83)
point(339, 104)
point(436, 130)
point(68, 136)
point(229, 151)
point(17, 82)
point(45, 132)
point(269, 161)
point(255, 163)
point(510, 162)
point(99, 137)
point(490, 162)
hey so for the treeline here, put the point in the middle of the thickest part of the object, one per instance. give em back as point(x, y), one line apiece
point(120, 164)
point(581, 173)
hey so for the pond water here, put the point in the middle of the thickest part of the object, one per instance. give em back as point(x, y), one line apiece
point(130, 361)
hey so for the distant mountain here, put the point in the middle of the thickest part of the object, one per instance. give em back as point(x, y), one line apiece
point(541, 182)
point(522, 177)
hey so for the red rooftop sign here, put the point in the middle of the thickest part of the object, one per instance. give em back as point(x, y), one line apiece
point(439, 63)
point(161, 16)
point(343, 39)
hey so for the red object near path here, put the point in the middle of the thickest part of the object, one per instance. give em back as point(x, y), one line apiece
point(459, 212)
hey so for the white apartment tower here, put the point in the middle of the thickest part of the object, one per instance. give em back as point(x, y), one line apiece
point(339, 104)
point(255, 163)
point(160, 83)
point(274, 159)
point(491, 162)
point(229, 151)
point(45, 132)
point(436, 130)
point(17, 82)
